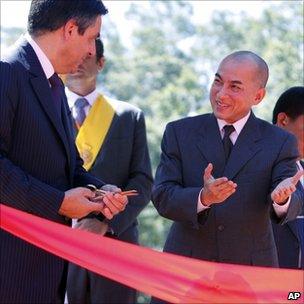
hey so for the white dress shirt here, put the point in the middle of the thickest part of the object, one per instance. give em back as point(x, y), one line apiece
point(72, 97)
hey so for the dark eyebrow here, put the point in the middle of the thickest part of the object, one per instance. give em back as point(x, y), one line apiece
point(218, 75)
point(236, 82)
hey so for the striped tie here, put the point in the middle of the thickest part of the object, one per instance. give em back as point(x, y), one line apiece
point(79, 109)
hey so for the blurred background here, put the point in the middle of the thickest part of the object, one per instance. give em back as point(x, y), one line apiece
point(162, 56)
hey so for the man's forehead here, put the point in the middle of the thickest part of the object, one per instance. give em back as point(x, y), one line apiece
point(236, 69)
point(238, 62)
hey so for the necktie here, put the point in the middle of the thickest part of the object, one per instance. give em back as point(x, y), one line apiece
point(56, 88)
point(80, 114)
point(228, 129)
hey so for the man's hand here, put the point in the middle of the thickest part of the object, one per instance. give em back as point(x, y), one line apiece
point(216, 190)
point(77, 204)
point(92, 225)
point(114, 203)
point(285, 188)
point(112, 200)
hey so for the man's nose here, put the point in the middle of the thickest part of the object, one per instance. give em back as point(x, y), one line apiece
point(222, 92)
point(92, 50)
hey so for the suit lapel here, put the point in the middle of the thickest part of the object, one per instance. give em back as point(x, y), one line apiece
point(209, 143)
point(112, 129)
point(245, 147)
point(292, 225)
point(68, 127)
point(42, 90)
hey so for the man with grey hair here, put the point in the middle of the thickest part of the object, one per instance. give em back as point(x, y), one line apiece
point(222, 174)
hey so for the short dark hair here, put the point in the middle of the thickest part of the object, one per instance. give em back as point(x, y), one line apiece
point(262, 67)
point(290, 102)
point(50, 15)
point(99, 48)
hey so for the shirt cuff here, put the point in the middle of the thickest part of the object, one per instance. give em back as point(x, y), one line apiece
point(200, 206)
point(281, 210)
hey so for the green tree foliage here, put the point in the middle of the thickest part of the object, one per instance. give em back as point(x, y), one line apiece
point(9, 36)
point(276, 35)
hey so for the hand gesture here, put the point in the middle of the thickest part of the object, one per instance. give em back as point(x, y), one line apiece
point(77, 204)
point(216, 190)
point(285, 188)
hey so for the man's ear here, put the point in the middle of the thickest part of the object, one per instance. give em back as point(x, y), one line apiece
point(282, 120)
point(259, 96)
point(70, 29)
point(101, 63)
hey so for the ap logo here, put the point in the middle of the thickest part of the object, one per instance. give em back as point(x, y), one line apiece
point(294, 295)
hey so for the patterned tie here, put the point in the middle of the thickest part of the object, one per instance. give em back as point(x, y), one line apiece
point(57, 89)
point(228, 129)
point(79, 111)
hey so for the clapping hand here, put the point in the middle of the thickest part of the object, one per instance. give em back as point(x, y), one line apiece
point(285, 188)
point(216, 190)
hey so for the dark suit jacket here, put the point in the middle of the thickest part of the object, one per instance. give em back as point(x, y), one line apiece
point(290, 241)
point(124, 161)
point(38, 162)
point(239, 229)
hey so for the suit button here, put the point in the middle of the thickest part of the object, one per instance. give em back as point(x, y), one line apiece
point(220, 227)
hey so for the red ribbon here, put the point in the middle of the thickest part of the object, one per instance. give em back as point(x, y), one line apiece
point(169, 277)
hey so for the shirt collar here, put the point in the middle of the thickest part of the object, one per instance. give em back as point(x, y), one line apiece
point(238, 125)
point(72, 97)
point(47, 67)
point(299, 165)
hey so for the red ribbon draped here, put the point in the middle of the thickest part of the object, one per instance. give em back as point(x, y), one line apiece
point(166, 276)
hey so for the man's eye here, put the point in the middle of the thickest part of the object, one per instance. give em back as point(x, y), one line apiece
point(234, 87)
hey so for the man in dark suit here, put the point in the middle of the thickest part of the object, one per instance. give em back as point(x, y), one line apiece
point(122, 159)
point(39, 163)
point(288, 114)
point(221, 174)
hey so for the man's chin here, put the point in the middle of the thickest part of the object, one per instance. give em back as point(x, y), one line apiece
point(77, 73)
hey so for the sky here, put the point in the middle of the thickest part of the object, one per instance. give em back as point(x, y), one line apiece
point(14, 13)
